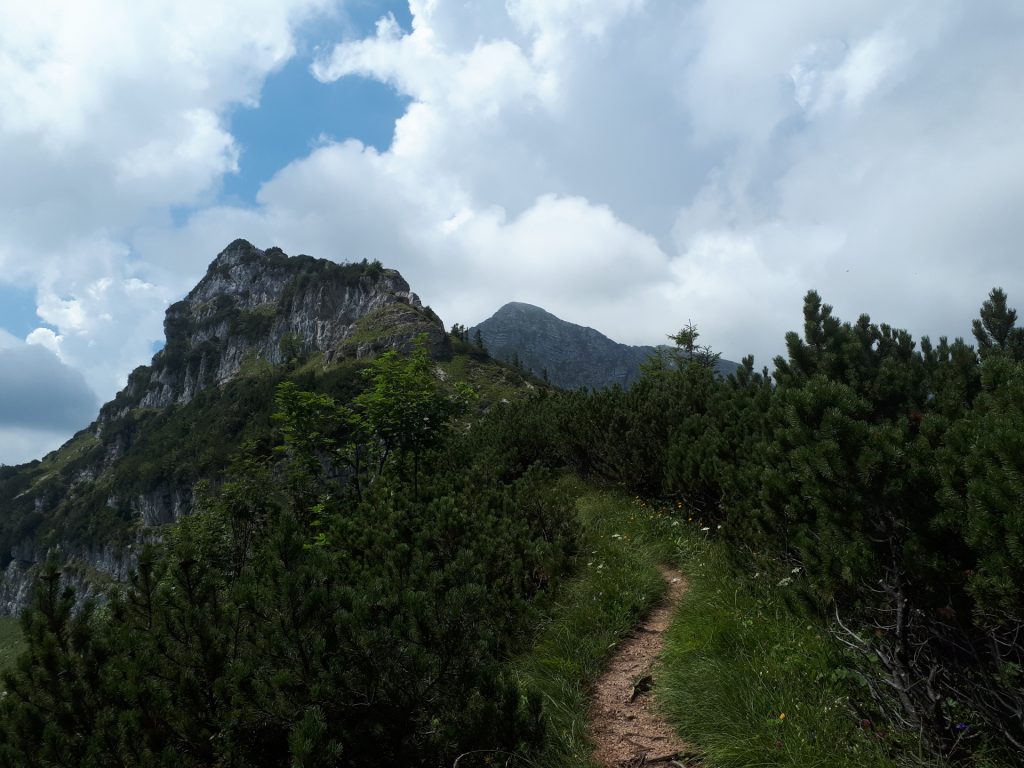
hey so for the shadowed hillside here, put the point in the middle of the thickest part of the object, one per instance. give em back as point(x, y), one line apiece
point(573, 356)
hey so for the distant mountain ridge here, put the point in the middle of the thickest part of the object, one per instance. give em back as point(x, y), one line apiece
point(572, 356)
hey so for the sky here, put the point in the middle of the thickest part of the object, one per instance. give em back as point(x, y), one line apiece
point(630, 165)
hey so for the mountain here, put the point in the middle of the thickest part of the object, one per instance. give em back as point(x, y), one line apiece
point(257, 317)
point(265, 305)
point(573, 356)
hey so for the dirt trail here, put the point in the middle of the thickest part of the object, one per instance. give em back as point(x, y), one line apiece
point(624, 727)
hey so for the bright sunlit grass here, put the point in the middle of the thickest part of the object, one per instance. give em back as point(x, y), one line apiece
point(617, 583)
point(753, 683)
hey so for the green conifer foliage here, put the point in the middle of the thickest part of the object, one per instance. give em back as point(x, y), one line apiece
point(982, 471)
point(984, 491)
point(995, 330)
point(295, 621)
point(877, 482)
point(52, 696)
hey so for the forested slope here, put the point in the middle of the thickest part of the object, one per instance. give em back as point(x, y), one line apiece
point(880, 479)
point(387, 575)
point(256, 318)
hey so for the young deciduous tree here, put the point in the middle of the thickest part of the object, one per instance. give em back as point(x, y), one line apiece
point(404, 408)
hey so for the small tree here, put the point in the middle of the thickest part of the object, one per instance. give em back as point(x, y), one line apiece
point(292, 348)
point(996, 330)
point(49, 707)
point(689, 351)
point(404, 408)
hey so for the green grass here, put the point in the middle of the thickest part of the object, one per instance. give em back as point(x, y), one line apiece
point(738, 655)
point(491, 380)
point(53, 462)
point(387, 321)
point(11, 643)
point(751, 682)
point(617, 583)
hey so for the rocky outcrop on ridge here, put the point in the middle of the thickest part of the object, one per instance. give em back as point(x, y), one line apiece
point(264, 305)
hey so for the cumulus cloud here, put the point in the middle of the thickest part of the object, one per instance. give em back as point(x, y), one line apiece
point(40, 391)
point(111, 114)
point(42, 401)
point(627, 164)
point(740, 154)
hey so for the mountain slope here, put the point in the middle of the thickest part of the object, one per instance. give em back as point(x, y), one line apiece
point(573, 356)
point(256, 318)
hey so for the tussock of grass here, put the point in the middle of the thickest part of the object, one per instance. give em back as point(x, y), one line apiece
point(11, 642)
point(618, 582)
point(751, 683)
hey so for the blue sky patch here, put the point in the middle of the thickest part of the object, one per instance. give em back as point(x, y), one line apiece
point(296, 111)
point(18, 310)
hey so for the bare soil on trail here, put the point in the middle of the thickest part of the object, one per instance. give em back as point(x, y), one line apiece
point(626, 730)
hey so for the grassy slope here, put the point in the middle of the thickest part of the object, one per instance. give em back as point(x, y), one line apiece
point(736, 659)
point(621, 545)
point(10, 641)
point(753, 682)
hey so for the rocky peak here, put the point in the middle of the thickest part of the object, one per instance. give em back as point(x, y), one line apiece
point(572, 356)
point(97, 500)
point(256, 277)
point(255, 304)
point(237, 251)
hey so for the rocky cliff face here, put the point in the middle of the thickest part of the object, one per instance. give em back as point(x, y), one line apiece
point(573, 356)
point(104, 494)
point(263, 305)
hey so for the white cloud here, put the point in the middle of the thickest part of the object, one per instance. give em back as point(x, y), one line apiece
point(860, 71)
point(632, 165)
point(45, 338)
point(561, 19)
point(560, 251)
point(626, 164)
point(110, 114)
point(200, 144)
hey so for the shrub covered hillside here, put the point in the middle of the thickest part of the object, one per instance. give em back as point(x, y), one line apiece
point(353, 588)
point(256, 317)
point(881, 479)
point(345, 601)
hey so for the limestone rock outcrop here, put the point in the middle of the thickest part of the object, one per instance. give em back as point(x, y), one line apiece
point(264, 305)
